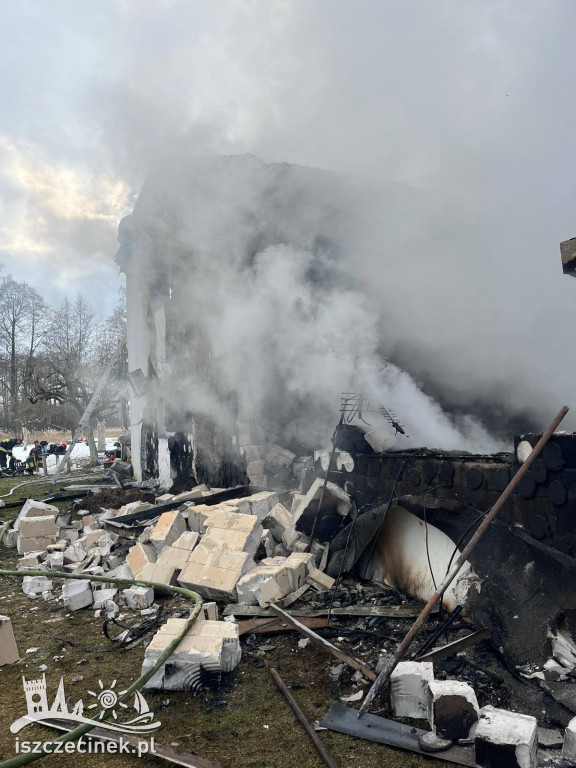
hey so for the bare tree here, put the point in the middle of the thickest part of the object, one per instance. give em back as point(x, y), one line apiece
point(22, 326)
point(68, 370)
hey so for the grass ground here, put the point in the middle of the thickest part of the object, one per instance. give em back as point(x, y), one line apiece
point(246, 724)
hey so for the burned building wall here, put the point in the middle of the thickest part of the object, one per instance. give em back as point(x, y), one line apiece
point(245, 303)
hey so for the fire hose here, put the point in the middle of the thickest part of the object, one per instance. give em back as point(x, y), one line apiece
point(76, 733)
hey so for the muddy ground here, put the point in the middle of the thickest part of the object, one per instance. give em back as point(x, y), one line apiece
point(245, 724)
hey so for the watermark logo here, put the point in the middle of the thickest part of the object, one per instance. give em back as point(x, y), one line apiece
point(106, 700)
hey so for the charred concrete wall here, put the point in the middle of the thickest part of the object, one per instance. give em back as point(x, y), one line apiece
point(544, 504)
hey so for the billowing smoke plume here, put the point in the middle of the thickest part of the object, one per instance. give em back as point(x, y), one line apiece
point(261, 270)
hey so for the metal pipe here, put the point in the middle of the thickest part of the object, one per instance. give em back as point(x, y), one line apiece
point(393, 661)
point(312, 735)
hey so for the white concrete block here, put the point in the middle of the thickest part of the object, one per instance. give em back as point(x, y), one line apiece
point(36, 527)
point(174, 556)
point(569, 747)
point(503, 737)
point(134, 506)
point(101, 596)
point(8, 648)
point(409, 686)
point(158, 573)
point(138, 598)
point(168, 528)
point(33, 508)
point(453, 708)
point(262, 503)
point(31, 562)
point(214, 573)
point(10, 538)
point(320, 580)
point(187, 540)
point(139, 556)
point(75, 553)
point(77, 594)
point(35, 585)
point(306, 558)
point(279, 521)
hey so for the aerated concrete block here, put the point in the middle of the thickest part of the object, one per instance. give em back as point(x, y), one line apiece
point(158, 573)
point(90, 540)
point(229, 520)
point(77, 594)
point(55, 561)
point(207, 650)
point(240, 505)
point(263, 585)
point(187, 541)
point(219, 539)
point(214, 573)
point(306, 558)
point(505, 738)
point(295, 570)
point(569, 747)
point(8, 649)
point(10, 538)
point(164, 498)
point(37, 527)
point(139, 556)
point(409, 686)
point(138, 598)
point(75, 553)
point(320, 580)
point(101, 596)
point(195, 493)
point(35, 585)
point(133, 507)
point(208, 612)
point(196, 516)
point(262, 503)
point(31, 562)
point(453, 708)
point(35, 544)
point(168, 528)
point(33, 508)
point(279, 522)
point(174, 556)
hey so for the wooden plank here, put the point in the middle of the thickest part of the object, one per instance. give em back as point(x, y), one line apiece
point(311, 733)
point(444, 651)
point(274, 626)
point(368, 673)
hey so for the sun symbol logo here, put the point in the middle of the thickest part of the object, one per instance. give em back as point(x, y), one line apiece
point(107, 699)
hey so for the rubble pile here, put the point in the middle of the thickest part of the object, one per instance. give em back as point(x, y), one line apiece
point(249, 553)
point(245, 550)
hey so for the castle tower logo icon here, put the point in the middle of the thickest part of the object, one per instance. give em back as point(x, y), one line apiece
point(106, 702)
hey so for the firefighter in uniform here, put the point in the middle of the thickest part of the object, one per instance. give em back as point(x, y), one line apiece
point(33, 460)
point(6, 447)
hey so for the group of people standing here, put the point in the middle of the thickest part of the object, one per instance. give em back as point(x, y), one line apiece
point(32, 461)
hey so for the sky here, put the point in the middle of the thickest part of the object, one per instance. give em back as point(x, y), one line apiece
point(470, 102)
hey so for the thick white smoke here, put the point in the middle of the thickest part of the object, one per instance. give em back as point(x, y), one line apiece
point(292, 347)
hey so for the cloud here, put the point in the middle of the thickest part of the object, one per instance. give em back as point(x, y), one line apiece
point(56, 214)
point(469, 102)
